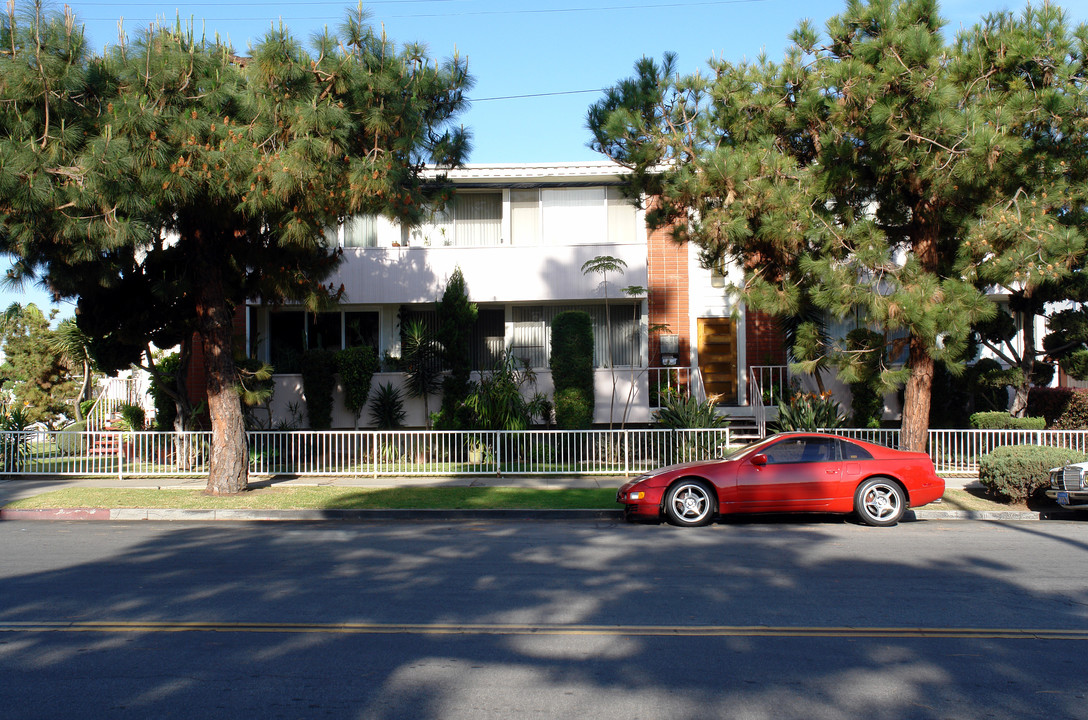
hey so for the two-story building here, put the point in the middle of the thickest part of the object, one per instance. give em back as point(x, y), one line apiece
point(521, 235)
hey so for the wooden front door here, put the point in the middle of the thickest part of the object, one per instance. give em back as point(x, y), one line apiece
point(718, 358)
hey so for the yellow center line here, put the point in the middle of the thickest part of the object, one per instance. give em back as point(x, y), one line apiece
point(124, 626)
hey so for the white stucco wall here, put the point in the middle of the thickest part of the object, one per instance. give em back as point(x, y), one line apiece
point(289, 390)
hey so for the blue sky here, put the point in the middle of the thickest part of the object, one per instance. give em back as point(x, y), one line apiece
point(538, 66)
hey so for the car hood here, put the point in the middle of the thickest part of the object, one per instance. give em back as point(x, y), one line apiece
point(1081, 465)
point(677, 467)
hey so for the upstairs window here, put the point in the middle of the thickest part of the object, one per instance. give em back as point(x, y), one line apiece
point(472, 219)
point(361, 231)
point(574, 216)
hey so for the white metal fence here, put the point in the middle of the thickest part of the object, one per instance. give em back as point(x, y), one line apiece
point(348, 452)
point(957, 452)
point(420, 452)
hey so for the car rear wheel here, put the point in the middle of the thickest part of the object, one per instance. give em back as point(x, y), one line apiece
point(880, 502)
point(690, 503)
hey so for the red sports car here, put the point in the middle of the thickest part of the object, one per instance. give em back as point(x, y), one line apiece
point(791, 472)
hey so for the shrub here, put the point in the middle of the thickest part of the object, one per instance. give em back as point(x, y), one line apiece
point(572, 369)
point(496, 400)
point(68, 442)
point(165, 407)
point(1075, 414)
point(1017, 472)
point(1004, 421)
point(357, 366)
point(318, 381)
point(387, 408)
point(679, 411)
point(809, 412)
point(456, 319)
point(1062, 408)
point(572, 407)
point(132, 417)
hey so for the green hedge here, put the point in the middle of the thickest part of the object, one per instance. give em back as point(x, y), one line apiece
point(1017, 472)
point(572, 369)
point(1063, 408)
point(318, 381)
point(1003, 421)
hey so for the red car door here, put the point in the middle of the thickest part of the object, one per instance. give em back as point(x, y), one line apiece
point(795, 473)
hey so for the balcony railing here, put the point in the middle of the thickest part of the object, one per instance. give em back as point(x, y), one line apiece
point(683, 381)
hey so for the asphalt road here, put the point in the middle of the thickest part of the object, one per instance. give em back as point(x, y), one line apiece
point(762, 619)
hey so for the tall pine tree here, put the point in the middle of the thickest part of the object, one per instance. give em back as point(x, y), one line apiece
point(167, 180)
point(850, 175)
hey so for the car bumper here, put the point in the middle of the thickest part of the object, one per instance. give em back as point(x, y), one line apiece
point(649, 505)
point(1069, 498)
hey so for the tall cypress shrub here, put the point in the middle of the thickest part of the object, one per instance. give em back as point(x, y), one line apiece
point(456, 319)
point(318, 381)
point(572, 369)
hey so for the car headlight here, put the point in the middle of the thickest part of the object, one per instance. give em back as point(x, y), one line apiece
point(635, 495)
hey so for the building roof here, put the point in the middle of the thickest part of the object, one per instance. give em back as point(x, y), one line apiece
point(566, 172)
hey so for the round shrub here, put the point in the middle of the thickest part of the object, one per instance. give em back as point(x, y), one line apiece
point(68, 441)
point(1018, 472)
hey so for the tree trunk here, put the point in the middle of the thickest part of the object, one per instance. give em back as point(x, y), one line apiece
point(1019, 405)
point(84, 391)
point(916, 398)
point(229, 466)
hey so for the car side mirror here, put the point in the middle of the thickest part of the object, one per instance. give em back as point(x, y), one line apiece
point(759, 460)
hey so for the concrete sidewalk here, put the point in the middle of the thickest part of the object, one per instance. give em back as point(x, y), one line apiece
point(16, 488)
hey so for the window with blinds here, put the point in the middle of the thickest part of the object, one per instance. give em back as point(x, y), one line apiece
point(532, 333)
point(477, 219)
point(361, 231)
point(574, 215)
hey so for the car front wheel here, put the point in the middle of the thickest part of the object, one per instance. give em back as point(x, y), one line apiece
point(880, 502)
point(690, 503)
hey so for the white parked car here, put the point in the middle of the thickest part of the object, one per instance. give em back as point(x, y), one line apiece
point(1069, 485)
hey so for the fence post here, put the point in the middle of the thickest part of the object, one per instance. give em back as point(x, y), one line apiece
point(120, 456)
point(626, 452)
point(498, 452)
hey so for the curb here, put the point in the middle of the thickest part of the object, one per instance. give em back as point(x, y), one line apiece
point(152, 514)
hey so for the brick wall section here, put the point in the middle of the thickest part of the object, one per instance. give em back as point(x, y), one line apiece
point(196, 379)
point(764, 343)
point(667, 272)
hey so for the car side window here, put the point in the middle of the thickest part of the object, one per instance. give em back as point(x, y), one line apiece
point(850, 451)
point(802, 450)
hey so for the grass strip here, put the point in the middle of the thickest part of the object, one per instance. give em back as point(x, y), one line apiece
point(326, 498)
point(407, 498)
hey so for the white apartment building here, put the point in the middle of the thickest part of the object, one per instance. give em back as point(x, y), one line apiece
point(520, 235)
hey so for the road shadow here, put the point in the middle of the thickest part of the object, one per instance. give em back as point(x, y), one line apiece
point(419, 585)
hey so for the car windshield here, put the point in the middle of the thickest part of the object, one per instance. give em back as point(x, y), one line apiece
point(750, 449)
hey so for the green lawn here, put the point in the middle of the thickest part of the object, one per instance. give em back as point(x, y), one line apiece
point(349, 498)
point(325, 498)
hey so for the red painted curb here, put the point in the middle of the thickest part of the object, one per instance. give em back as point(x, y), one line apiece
point(57, 514)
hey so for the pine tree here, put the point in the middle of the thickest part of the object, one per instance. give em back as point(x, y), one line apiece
point(37, 374)
point(1029, 76)
point(853, 174)
point(167, 180)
